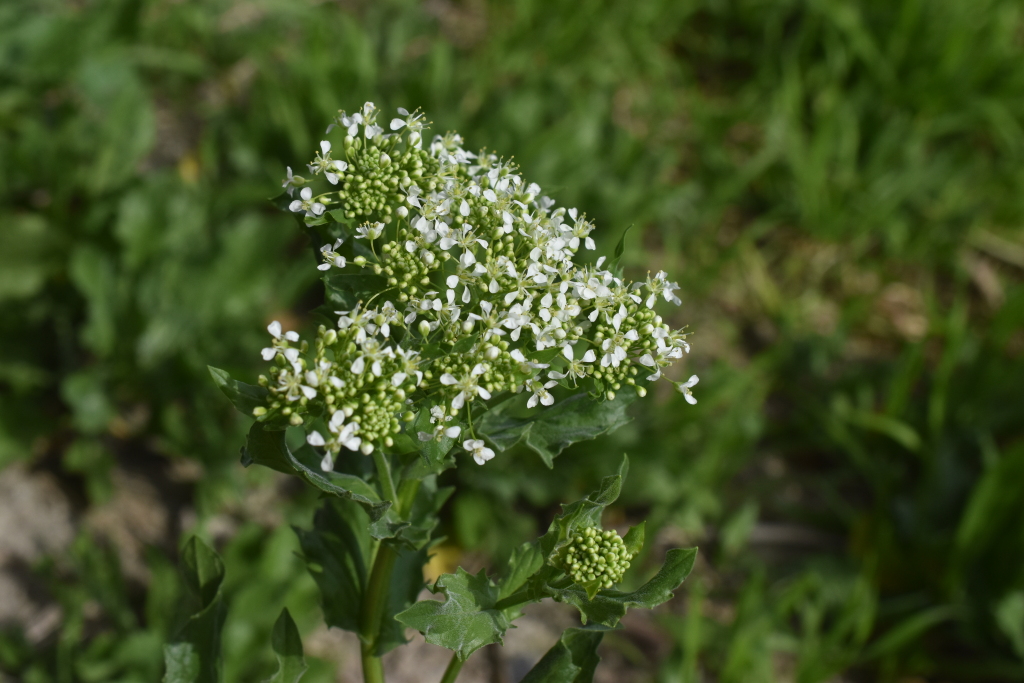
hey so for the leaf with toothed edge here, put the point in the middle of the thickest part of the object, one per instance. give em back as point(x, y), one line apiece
point(550, 430)
point(573, 659)
point(268, 448)
point(287, 646)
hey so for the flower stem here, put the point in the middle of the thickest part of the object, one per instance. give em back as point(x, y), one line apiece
point(452, 672)
point(387, 484)
point(375, 600)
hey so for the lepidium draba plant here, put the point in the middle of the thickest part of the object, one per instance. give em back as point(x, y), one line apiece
point(462, 316)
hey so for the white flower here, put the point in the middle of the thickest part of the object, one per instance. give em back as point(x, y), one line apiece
point(344, 433)
point(660, 284)
point(467, 386)
point(331, 256)
point(666, 356)
point(292, 181)
point(280, 343)
point(439, 417)
point(540, 392)
point(684, 389)
point(480, 452)
point(313, 209)
point(369, 231)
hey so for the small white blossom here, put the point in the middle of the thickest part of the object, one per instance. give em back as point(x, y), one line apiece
point(313, 209)
point(480, 452)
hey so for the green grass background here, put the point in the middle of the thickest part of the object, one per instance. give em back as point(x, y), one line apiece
point(837, 185)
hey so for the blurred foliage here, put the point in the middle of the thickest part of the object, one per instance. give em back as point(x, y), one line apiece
point(837, 185)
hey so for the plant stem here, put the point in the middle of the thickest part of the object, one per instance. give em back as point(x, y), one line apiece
point(452, 672)
point(387, 484)
point(373, 668)
point(375, 600)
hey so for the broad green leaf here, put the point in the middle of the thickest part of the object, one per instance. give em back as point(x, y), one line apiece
point(244, 396)
point(583, 513)
point(287, 645)
point(193, 656)
point(181, 663)
point(526, 561)
point(406, 584)
point(550, 430)
point(337, 553)
point(421, 519)
point(634, 538)
point(345, 289)
point(466, 620)
point(608, 606)
point(268, 448)
point(203, 570)
point(573, 659)
point(434, 452)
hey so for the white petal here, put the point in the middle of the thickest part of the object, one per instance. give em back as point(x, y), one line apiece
point(295, 206)
point(274, 329)
point(448, 379)
point(464, 208)
point(459, 400)
point(325, 146)
point(306, 193)
point(690, 399)
point(308, 392)
point(315, 439)
point(532, 402)
point(483, 393)
point(291, 336)
point(567, 351)
point(452, 432)
point(269, 353)
point(396, 124)
point(358, 366)
point(327, 464)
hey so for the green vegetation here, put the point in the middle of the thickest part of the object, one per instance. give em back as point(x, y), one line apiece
point(838, 187)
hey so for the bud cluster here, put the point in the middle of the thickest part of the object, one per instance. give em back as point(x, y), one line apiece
point(480, 292)
point(597, 556)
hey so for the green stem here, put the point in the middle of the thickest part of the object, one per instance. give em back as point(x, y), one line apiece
point(387, 484)
point(375, 600)
point(452, 672)
point(373, 668)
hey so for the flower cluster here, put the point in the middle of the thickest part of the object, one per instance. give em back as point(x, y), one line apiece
point(597, 556)
point(475, 292)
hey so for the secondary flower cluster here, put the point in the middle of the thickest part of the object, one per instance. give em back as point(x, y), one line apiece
point(473, 292)
point(597, 556)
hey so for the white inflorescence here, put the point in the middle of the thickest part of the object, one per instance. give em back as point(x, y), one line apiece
point(467, 254)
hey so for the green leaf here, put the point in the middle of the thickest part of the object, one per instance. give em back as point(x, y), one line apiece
point(526, 561)
point(634, 538)
point(193, 656)
point(620, 248)
point(337, 552)
point(582, 514)
point(244, 396)
point(287, 645)
point(181, 662)
point(434, 452)
point(547, 432)
point(268, 448)
point(203, 570)
point(573, 659)
point(466, 620)
point(608, 606)
point(420, 521)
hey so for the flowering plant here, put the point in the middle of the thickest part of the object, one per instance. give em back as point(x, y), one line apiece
point(458, 320)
